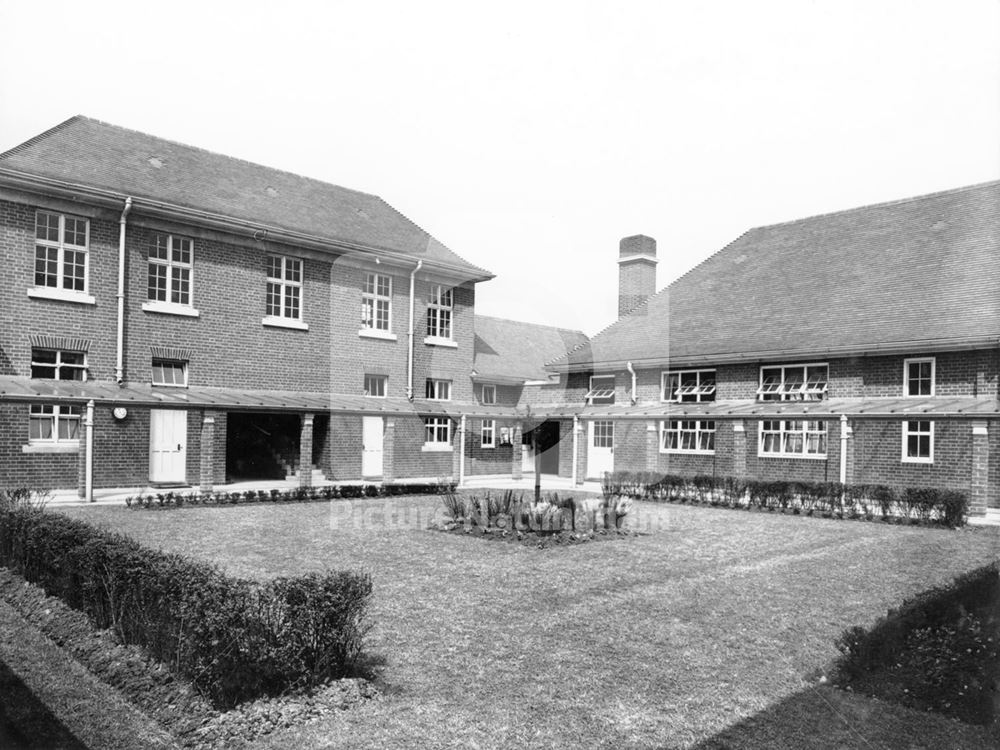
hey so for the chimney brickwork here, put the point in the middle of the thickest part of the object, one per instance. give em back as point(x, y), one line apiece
point(636, 272)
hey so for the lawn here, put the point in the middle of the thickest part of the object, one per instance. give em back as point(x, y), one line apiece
point(702, 632)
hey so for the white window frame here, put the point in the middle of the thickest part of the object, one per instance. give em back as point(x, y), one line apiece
point(906, 376)
point(62, 248)
point(372, 299)
point(437, 389)
point(483, 390)
point(601, 394)
point(699, 428)
point(60, 414)
point(440, 313)
point(907, 432)
point(170, 264)
point(59, 365)
point(371, 379)
point(488, 433)
point(786, 432)
point(284, 286)
point(437, 434)
point(162, 362)
point(810, 389)
point(700, 391)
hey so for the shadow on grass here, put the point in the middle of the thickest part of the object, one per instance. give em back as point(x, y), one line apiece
point(25, 722)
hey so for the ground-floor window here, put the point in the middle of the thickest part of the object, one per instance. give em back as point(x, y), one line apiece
point(437, 432)
point(687, 436)
point(50, 423)
point(488, 433)
point(792, 437)
point(918, 441)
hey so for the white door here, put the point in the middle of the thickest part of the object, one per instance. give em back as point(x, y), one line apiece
point(167, 445)
point(527, 458)
point(371, 446)
point(600, 448)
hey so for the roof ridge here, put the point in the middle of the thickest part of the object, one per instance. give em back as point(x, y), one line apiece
point(894, 202)
point(40, 137)
point(528, 323)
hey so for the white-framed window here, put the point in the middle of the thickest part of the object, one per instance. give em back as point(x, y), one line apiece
point(169, 372)
point(795, 438)
point(807, 382)
point(284, 287)
point(602, 389)
point(488, 433)
point(439, 309)
point(438, 390)
point(918, 441)
point(376, 386)
point(53, 423)
point(687, 436)
point(376, 303)
point(55, 364)
point(487, 394)
point(170, 270)
point(918, 376)
point(61, 257)
point(687, 385)
point(437, 431)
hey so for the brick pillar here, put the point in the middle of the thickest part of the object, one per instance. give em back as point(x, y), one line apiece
point(652, 446)
point(979, 487)
point(81, 467)
point(458, 448)
point(515, 461)
point(388, 449)
point(848, 447)
point(581, 452)
point(306, 451)
point(206, 474)
point(739, 448)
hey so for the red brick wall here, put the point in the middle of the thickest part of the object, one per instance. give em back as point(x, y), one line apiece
point(878, 451)
point(479, 460)
point(37, 470)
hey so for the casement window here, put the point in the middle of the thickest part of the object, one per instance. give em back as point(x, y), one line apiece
point(918, 377)
point(438, 390)
point(793, 383)
point(170, 270)
point(169, 372)
point(61, 244)
point(687, 436)
point(795, 438)
point(55, 364)
point(51, 423)
point(918, 441)
point(687, 385)
point(284, 288)
point(437, 432)
point(376, 303)
point(602, 389)
point(376, 385)
point(488, 433)
point(439, 310)
point(487, 394)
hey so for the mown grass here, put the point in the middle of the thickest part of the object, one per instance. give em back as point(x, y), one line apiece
point(695, 633)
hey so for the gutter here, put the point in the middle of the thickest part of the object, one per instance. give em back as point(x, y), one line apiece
point(120, 352)
point(409, 345)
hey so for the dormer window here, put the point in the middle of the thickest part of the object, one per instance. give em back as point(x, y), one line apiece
point(793, 383)
point(602, 390)
point(487, 394)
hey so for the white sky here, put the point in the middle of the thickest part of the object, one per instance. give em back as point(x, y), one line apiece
point(531, 136)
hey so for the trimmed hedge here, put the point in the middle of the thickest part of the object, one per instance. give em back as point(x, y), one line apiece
point(234, 639)
point(828, 499)
point(179, 498)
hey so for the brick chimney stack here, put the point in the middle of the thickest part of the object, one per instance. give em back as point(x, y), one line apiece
point(636, 272)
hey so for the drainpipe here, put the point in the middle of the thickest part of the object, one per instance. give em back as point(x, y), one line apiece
point(409, 357)
point(88, 436)
point(845, 434)
point(628, 366)
point(576, 439)
point(461, 456)
point(120, 361)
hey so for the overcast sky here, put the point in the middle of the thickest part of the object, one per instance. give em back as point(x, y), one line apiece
point(530, 137)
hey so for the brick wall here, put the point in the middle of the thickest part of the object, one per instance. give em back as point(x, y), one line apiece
point(480, 460)
point(19, 469)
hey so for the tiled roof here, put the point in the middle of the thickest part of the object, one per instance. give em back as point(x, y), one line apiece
point(96, 155)
point(920, 273)
point(508, 350)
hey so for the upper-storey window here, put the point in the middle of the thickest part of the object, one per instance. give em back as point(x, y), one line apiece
point(487, 394)
point(169, 372)
point(688, 385)
point(793, 383)
point(439, 310)
point(55, 364)
point(602, 389)
point(376, 302)
point(284, 287)
point(61, 243)
point(170, 261)
point(918, 377)
point(438, 390)
point(376, 385)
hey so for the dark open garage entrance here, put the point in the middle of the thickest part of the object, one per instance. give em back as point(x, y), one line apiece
point(547, 435)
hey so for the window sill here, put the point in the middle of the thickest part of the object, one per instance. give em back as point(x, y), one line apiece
point(277, 322)
point(807, 457)
point(487, 447)
point(170, 308)
point(61, 295)
point(375, 333)
point(438, 341)
point(910, 460)
point(51, 448)
point(436, 448)
point(678, 452)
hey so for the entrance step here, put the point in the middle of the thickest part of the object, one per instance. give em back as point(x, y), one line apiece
point(317, 475)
